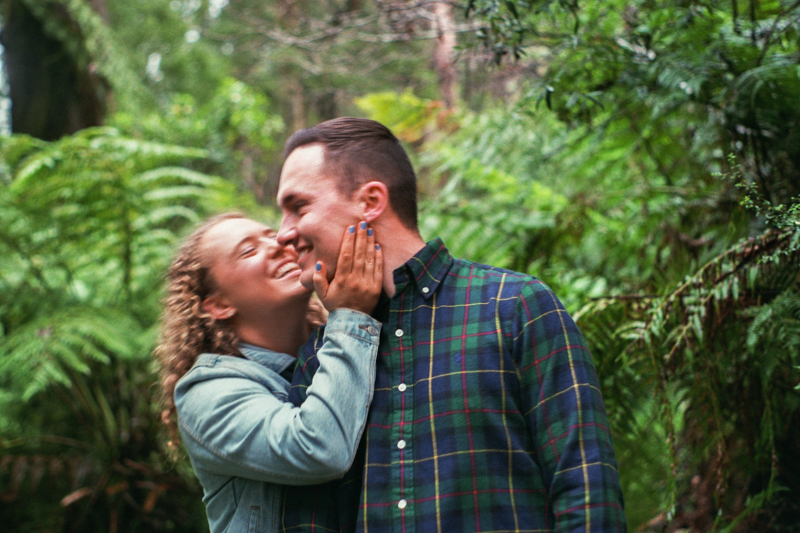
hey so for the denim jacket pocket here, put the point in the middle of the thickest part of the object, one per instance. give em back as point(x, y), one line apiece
point(254, 524)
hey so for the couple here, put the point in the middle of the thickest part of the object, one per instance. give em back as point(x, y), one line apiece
point(451, 396)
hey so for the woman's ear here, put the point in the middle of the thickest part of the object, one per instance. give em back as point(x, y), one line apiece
point(218, 307)
point(373, 198)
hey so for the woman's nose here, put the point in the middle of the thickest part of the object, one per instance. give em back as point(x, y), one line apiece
point(273, 247)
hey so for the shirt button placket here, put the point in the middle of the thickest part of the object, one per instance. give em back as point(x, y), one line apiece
point(402, 442)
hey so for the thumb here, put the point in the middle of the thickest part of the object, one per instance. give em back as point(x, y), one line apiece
point(320, 280)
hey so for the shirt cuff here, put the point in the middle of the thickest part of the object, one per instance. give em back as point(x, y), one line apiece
point(354, 323)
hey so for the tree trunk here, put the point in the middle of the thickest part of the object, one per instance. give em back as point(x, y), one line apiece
point(50, 95)
point(101, 8)
point(443, 53)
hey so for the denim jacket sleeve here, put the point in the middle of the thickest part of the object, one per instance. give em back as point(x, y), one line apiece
point(234, 424)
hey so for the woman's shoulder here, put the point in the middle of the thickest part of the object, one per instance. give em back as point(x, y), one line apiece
point(213, 375)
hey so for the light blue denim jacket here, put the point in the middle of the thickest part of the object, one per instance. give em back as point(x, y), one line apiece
point(244, 439)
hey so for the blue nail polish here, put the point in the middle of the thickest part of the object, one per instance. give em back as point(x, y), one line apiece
point(319, 266)
point(351, 229)
point(369, 232)
point(363, 225)
point(377, 246)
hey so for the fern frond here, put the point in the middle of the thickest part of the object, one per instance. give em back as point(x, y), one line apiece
point(184, 175)
point(41, 353)
point(158, 216)
point(157, 151)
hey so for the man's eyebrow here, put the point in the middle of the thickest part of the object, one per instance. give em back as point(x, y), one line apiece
point(286, 198)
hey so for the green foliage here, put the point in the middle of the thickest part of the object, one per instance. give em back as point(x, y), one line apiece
point(234, 127)
point(406, 114)
point(166, 44)
point(783, 216)
point(510, 22)
point(87, 226)
point(689, 80)
point(316, 57)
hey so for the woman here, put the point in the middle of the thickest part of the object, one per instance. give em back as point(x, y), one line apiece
point(234, 319)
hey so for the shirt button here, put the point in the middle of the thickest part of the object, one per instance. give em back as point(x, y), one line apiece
point(401, 444)
point(402, 504)
point(401, 387)
point(398, 333)
point(425, 290)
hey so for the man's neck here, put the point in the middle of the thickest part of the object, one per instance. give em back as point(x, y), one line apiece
point(398, 246)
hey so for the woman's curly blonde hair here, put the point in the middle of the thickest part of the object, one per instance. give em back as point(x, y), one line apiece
point(187, 330)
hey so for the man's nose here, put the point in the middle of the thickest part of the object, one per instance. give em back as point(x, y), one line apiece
point(287, 234)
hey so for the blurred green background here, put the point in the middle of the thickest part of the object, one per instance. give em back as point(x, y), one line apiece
point(640, 157)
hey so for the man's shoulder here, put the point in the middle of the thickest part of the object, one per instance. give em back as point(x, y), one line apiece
point(461, 264)
point(464, 269)
point(522, 291)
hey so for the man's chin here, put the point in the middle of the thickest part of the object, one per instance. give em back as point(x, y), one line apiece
point(307, 279)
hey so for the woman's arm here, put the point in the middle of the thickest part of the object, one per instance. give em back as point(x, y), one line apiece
point(235, 425)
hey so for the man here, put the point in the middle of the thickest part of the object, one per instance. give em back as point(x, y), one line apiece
point(487, 414)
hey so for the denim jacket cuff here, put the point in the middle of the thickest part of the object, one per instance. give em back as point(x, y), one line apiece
point(354, 323)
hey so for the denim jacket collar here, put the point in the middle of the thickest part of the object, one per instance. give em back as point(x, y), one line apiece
point(276, 361)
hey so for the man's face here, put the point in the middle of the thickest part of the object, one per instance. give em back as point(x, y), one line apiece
point(252, 273)
point(315, 214)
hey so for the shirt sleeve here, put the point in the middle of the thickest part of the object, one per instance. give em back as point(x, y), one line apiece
point(238, 427)
point(564, 410)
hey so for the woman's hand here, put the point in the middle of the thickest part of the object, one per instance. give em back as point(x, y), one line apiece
point(359, 273)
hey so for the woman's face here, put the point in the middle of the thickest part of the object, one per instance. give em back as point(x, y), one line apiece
point(253, 276)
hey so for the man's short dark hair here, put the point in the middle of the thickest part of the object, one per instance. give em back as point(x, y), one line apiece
point(359, 150)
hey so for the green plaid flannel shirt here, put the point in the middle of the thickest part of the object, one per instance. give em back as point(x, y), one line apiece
point(487, 414)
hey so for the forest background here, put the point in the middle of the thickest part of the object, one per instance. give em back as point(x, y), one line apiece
point(641, 157)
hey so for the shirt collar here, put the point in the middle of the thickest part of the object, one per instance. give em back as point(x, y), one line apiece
point(273, 360)
point(427, 268)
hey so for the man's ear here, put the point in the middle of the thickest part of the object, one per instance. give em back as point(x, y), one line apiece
point(373, 198)
point(218, 307)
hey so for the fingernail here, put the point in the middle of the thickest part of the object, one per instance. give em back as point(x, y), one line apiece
point(363, 225)
point(319, 266)
point(369, 232)
point(377, 246)
point(351, 229)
